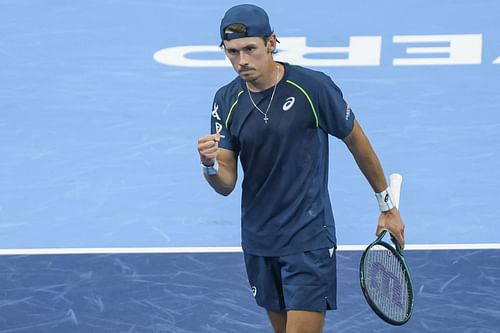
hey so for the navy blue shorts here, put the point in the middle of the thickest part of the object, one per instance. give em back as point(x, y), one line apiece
point(304, 281)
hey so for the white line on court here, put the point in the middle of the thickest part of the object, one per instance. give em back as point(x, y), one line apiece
point(236, 249)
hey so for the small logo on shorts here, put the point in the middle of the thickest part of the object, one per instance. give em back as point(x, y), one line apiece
point(254, 291)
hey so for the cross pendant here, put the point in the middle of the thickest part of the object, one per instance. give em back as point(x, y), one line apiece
point(266, 119)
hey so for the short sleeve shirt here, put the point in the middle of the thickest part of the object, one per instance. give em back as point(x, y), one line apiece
point(285, 206)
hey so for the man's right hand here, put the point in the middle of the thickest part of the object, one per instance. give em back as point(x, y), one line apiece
point(208, 148)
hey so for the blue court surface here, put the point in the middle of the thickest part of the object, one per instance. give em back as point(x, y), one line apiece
point(106, 224)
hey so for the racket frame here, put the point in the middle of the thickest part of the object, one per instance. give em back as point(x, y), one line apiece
point(398, 253)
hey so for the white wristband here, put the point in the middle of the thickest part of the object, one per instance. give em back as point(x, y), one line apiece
point(385, 200)
point(210, 170)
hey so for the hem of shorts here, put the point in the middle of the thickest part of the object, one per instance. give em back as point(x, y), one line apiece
point(287, 253)
point(328, 307)
point(331, 308)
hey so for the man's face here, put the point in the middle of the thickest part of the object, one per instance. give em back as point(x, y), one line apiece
point(249, 56)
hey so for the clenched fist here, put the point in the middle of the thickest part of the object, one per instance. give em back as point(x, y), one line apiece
point(208, 148)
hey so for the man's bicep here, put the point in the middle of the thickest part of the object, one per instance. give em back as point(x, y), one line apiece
point(227, 159)
point(354, 136)
point(358, 143)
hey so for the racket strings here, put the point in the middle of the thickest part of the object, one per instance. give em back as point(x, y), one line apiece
point(386, 283)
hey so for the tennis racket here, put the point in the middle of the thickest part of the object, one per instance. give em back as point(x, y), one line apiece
point(384, 276)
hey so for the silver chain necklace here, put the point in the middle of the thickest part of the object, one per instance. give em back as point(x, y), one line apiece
point(270, 101)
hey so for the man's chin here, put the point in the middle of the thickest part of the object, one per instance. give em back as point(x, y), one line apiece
point(247, 76)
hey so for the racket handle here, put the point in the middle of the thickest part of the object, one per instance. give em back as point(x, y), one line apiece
point(395, 185)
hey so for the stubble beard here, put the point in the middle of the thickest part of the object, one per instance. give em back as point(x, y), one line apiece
point(250, 78)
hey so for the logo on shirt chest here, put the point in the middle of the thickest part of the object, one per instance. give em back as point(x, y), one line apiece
point(290, 101)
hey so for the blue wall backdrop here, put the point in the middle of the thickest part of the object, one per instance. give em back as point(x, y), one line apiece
point(98, 139)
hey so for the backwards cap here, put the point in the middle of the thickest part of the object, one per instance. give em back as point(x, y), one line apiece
point(254, 18)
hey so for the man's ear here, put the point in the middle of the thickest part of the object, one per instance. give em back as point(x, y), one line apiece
point(271, 43)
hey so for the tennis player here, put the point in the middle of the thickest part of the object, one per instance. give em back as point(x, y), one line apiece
point(276, 118)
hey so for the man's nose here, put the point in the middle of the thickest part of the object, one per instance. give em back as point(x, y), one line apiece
point(243, 58)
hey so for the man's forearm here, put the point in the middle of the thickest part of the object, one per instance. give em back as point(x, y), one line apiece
point(224, 181)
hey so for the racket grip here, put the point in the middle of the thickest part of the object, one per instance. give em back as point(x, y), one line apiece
point(395, 186)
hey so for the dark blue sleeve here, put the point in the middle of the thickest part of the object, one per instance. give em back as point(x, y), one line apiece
point(335, 114)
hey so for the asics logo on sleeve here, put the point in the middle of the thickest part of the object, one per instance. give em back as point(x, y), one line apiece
point(218, 128)
point(215, 114)
point(215, 111)
point(347, 112)
point(289, 103)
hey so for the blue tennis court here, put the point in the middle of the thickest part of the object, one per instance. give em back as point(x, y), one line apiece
point(106, 224)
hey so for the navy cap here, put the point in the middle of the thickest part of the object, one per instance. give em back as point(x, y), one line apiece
point(254, 18)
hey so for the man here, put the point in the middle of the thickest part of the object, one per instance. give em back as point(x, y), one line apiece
point(276, 118)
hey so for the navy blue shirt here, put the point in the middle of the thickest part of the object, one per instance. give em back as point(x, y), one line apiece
point(285, 206)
